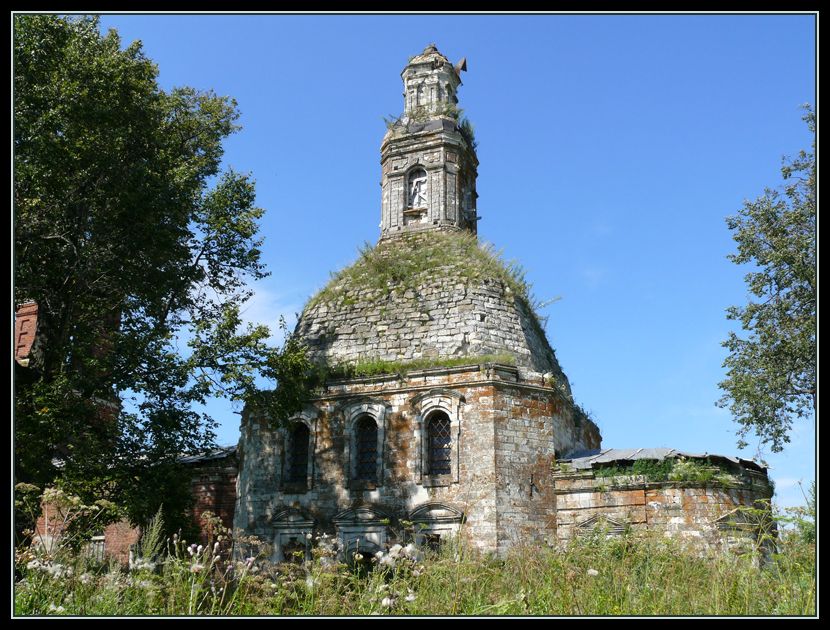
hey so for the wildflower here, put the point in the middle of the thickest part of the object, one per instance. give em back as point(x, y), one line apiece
point(387, 602)
point(249, 562)
point(593, 572)
point(309, 582)
point(85, 578)
point(216, 547)
point(142, 564)
point(410, 597)
point(199, 550)
point(308, 537)
point(192, 549)
point(358, 556)
point(196, 567)
point(34, 565)
point(58, 570)
point(57, 609)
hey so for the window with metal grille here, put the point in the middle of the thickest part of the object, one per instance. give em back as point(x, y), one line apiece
point(439, 449)
point(298, 457)
point(366, 451)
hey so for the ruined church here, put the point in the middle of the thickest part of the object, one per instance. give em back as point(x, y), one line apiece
point(465, 425)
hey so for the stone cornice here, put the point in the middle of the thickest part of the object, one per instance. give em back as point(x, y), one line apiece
point(396, 382)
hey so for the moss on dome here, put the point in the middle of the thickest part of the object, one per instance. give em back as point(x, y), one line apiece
point(403, 262)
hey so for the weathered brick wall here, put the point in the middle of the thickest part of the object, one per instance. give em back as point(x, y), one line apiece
point(25, 327)
point(685, 510)
point(483, 422)
point(214, 490)
point(118, 537)
point(532, 428)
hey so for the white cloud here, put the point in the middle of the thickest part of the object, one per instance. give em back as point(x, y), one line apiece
point(266, 307)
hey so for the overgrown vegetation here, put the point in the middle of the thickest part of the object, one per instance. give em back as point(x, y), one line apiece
point(374, 367)
point(403, 263)
point(468, 131)
point(669, 469)
point(636, 574)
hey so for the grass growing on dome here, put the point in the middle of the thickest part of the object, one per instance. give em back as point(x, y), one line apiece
point(403, 263)
point(376, 367)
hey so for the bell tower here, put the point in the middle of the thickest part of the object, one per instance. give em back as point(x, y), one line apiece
point(428, 159)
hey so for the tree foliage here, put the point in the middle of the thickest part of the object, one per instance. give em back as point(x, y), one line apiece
point(771, 371)
point(138, 252)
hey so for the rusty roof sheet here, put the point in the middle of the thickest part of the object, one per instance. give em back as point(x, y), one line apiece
point(584, 460)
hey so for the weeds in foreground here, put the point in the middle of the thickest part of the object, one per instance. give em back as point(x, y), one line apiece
point(634, 574)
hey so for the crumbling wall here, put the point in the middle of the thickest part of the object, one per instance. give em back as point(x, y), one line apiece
point(483, 400)
point(711, 515)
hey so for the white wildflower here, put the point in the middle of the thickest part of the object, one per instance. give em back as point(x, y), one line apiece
point(410, 597)
point(57, 609)
point(593, 572)
point(35, 565)
point(85, 578)
point(142, 564)
point(308, 536)
point(387, 602)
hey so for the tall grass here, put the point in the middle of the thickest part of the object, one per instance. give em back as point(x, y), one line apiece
point(632, 575)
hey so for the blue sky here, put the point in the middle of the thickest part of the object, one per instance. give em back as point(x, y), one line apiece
point(611, 149)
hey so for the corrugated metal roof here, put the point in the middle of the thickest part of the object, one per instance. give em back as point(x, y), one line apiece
point(219, 453)
point(585, 459)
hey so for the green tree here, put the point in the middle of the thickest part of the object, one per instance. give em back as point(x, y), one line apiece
point(771, 372)
point(134, 245)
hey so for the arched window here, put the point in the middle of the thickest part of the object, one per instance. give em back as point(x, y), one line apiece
point(366, 449)
point(439, 449)
point(438, 414)
point(298, 455)
point(417, 189)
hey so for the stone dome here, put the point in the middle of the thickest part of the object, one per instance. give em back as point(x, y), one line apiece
point(433, 298)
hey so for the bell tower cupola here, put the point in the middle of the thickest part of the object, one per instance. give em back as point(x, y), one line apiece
point(428, 158)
